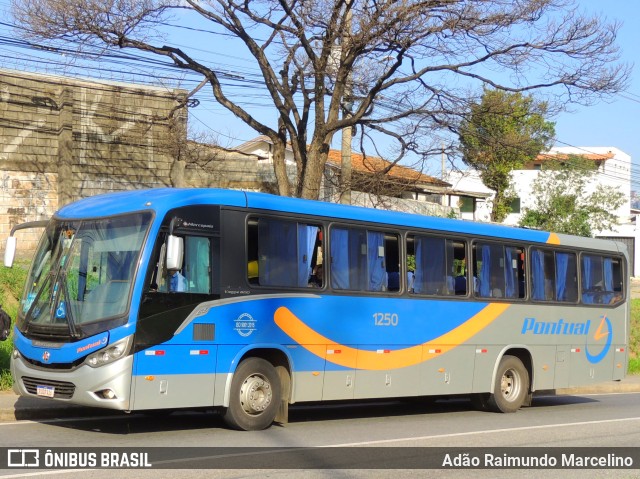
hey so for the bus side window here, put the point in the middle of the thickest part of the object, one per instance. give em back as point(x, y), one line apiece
point(440, 266)
point(498, 271)
point(194, 276)
point(197, 264)
point(362, 259)
point(566, 277)
point(281, 252)
point(601, 279)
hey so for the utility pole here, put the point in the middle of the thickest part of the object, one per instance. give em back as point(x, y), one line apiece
point(345, 172)
point(443, 174)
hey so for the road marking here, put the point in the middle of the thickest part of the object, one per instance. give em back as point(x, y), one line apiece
point(46, 473)
point(24, 422)
point(486, 431)
point(351, 444)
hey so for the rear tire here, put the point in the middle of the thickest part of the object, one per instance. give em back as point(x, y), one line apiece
point(511, 386)
point(255, 396)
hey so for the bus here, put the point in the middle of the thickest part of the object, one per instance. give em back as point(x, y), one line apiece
point(248, 302)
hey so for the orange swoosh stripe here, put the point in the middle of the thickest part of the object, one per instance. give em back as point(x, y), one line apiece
point(354, 358)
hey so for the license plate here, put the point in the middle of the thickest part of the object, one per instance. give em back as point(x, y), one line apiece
point(46, 391)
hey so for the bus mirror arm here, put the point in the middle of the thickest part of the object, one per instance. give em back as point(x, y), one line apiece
point(10, 248)
point(175, 223)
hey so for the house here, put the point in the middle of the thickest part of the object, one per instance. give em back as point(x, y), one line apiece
point(375, 182)
point(612, 168)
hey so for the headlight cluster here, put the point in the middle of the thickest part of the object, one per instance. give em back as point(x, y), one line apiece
point(111, 353)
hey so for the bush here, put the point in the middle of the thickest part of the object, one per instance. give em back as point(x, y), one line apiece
point(634, 338)
point(11, 286)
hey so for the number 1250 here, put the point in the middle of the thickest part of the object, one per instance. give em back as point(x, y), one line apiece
point(385, 319)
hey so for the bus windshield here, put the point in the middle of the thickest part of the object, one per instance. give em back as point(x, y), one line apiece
point(83, 272)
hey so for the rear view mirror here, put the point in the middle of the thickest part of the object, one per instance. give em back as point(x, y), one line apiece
point(10, 251)
point(175, 252)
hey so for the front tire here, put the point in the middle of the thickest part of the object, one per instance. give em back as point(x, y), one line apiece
point(255, 396)
point(511, 386)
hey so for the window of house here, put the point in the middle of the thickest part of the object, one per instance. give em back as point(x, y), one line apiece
point(515, 205)
point(498, 271)
point(440, 266)
point(467, 204)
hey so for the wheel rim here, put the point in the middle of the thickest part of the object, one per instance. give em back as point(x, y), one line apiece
point(510, 385)
point(255, 394)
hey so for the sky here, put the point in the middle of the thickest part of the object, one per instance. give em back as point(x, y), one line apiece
point(615, 123)
point(612, 124)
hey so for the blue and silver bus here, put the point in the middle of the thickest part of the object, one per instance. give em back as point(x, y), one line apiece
point(248, 303)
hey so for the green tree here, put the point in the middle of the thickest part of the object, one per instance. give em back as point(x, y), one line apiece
point(564, 203)
point(500, 134)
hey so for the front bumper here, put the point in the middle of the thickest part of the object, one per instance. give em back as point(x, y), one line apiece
point(80, 386)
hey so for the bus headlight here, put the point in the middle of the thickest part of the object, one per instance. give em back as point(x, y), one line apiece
point(111, 353)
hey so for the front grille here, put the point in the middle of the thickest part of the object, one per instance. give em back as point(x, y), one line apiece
point(62, 389)
point(60, 366)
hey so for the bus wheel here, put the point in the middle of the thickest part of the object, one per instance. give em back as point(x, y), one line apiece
point(255, 396)
point(511, 386)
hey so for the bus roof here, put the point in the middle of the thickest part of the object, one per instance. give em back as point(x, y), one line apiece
point(161, 200)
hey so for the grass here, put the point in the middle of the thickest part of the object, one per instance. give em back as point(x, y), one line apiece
point(11, 285)
point(634, 338)
point(12, 282)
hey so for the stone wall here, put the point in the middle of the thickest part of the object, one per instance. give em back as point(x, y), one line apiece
point(62, 139)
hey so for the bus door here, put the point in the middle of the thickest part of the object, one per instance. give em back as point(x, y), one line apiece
point(175, 359)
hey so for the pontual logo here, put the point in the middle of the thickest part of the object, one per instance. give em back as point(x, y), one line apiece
point(601, 338)
point(530, 325)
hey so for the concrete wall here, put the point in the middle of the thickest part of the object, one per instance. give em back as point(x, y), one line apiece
point(62, 139)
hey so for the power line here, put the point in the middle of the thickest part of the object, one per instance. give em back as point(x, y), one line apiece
point(123, 60)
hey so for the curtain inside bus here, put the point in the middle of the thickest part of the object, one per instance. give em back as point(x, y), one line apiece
point(509, 272)
point(537, 266)
point(306, 241)
point(358, 260)
point(375, 261)
point(430, 274)
point(562, 267)
point(485, 271)
point(197, 264)
point(276, 250)
point(339, 258)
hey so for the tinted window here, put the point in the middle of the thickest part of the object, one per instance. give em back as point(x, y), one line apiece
point(553, 276)
point(440, 266)
point(364, 260)
point(601, 279)
point(283, 253)
point(498, 271)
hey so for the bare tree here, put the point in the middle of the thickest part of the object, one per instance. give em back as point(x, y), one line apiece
point(407, 66)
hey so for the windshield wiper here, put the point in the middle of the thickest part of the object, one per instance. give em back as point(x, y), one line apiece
point(68, 315)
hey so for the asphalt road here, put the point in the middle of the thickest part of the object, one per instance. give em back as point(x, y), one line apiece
point(602, 421)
